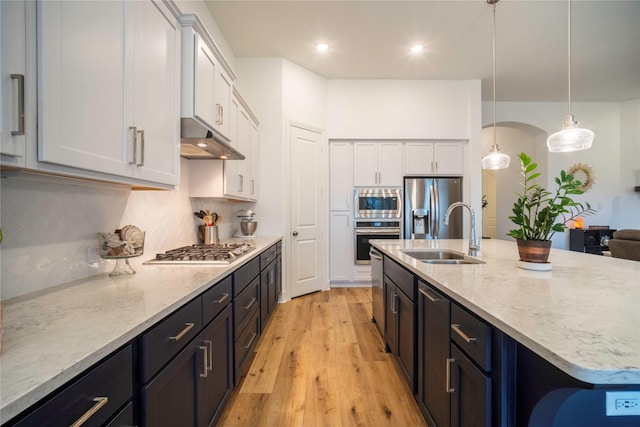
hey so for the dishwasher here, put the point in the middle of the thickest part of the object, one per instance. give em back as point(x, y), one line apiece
point(377, 290)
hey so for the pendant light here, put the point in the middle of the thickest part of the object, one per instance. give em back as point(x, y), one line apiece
point(570, 137)
point(495, 159)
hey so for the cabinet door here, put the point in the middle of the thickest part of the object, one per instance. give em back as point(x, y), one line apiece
point(405, 350)
point(391, 315)
point(171, 398)
point(341, 246)
point(81, 120)
point(204, 83)
point(365, 164)
point(231, 166)
point(155, 86)
point(449, 158)
point(418, 158)
point(340, 176)
point(433, 352)
point(222, 96)
point(241, 184)
point(12, 85)
point(218, 384)
point(471, 396)
point(253, 155)
point(390, 164)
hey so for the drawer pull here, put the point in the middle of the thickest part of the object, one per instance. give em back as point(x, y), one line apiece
point(205, 360)
point(188, 327)
point(222, 298)
point(457, 330)
point(210, 365)
point(429, 295)
point(100, 402)
point(253, 301)
point(253, 337)
point(447, 386)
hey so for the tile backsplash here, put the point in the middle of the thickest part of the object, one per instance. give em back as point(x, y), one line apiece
point(48, 225)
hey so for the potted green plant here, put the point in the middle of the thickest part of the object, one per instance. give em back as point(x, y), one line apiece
point(539, 213)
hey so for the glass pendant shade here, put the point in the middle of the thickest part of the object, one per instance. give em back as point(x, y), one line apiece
point(570, 138)
point(495, 159)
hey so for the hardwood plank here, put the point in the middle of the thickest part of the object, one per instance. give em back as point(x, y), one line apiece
point(321, 362)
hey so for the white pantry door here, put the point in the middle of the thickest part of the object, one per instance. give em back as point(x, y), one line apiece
point(307, 255)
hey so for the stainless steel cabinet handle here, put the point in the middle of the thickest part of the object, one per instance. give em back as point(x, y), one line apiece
point(222, 298)
point(253, 337)
point(20, 78)
point(447, 386)
point(135, 145)
point(241, 183)
point(100, 402)
point(253, 301)
point(253, 186)
point(394, 303)
point(141, 132)
point(457, 330)
point(188, 327)
point(221, 114)
point(206, 358)
point(210, 364)
point(374, 254)
point(428, 294)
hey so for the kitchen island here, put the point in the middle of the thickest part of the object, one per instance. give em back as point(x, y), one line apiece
point(51, 337)
point(581, 318)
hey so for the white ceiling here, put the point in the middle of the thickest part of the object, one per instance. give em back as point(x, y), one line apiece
point(371, 40)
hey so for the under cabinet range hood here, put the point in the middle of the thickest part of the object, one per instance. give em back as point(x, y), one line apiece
point(198, 142)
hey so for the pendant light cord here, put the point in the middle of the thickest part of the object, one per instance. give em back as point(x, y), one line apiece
point(494, 76)
point(569, 56)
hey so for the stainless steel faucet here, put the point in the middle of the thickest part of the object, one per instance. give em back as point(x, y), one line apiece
point(474, 245)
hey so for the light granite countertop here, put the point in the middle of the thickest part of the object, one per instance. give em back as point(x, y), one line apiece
point(583, 316)
point(50, 337)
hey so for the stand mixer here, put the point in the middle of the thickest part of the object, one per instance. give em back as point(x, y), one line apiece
point(247, 224)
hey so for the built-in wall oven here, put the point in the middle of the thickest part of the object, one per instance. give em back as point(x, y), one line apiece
point(378, 215)
point(370, 230)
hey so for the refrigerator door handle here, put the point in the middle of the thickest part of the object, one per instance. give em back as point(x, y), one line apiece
point(436, 191)
point(433, 214)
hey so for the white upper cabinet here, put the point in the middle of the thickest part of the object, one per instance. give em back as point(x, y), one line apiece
point(112, 109)
point(156, 83)
point(433, 158)
point(377, 164)
point(207, 79)
point(341, 176)
point(12, 87)
point(254, 163)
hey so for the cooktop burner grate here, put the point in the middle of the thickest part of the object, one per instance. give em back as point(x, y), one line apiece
point(220, 253)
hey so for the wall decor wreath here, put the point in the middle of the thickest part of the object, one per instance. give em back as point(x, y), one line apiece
point(583, 173)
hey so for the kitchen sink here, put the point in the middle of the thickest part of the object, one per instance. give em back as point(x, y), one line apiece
point(440, 257)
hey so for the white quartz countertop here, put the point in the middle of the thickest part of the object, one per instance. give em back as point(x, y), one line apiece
point(50, 337)
point(583, 316)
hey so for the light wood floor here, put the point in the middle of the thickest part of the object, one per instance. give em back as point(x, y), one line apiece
point(320, 362)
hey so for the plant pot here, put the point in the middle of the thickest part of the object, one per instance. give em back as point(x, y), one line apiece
point(534, 250)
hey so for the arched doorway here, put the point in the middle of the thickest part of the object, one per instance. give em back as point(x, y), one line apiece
point(499, 186)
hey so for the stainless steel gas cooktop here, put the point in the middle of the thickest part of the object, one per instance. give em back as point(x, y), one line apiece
point(216, 254)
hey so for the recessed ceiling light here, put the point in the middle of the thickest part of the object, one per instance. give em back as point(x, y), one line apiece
point(201, 144)
point(417, 48)
point(322, 47)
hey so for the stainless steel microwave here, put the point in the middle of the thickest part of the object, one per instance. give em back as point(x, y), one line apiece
point(378, 203)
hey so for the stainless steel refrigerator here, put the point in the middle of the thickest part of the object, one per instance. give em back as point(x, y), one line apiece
point(425, 202)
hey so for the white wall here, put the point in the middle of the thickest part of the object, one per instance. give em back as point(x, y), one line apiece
point(614, 157)
point(399, 109)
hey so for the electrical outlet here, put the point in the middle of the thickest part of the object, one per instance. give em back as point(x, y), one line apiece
point(93, 255)
point(621, 403)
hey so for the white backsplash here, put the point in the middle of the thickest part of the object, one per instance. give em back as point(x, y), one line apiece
point(48, 225)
